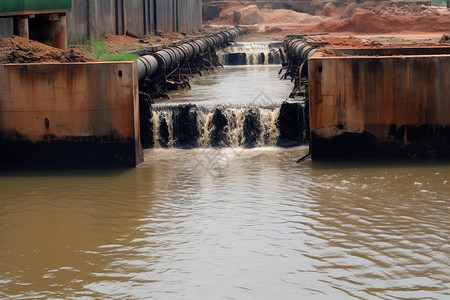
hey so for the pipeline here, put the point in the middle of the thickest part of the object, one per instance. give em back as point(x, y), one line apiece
point(155, 64)
point(298, 52)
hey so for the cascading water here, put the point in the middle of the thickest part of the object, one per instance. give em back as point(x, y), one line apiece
point(191, 126)
point(252, 53)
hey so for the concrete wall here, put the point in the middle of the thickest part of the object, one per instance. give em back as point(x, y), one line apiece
point(69, 114)
point(391, 106)
point(189, 15)
point(77, 24)
point(165, 15)
point(6, 27)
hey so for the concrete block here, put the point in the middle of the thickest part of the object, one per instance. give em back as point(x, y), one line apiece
point(380, 106)
point(69, 115)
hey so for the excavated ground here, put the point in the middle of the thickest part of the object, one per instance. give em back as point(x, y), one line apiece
point(20, 50)
point(349, 24)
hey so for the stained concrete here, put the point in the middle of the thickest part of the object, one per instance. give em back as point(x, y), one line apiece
point(380, 106)
point(69, 114)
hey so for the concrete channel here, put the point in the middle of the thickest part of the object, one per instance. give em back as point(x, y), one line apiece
point(374, 102)
point(85, 114)
point(363, 103)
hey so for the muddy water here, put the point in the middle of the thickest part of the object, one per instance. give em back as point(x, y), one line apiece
point(228, 223)
point(235, 85)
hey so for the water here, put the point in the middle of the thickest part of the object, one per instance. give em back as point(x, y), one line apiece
point(255, 115)
point(235, 86)
point(252, 53)
point(228, 223)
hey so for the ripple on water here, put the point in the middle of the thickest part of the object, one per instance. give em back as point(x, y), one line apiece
point(265, 227)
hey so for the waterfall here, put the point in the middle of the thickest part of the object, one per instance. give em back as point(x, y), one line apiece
point(191, 126)
point(252, 53)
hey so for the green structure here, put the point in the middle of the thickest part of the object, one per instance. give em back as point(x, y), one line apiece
point(27, 7)
point(46, 18)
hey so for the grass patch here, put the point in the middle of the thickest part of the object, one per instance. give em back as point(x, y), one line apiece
point(98, 50)
point(121, 56)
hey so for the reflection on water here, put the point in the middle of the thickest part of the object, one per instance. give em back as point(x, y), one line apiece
point(255, 85)
point(228, 223)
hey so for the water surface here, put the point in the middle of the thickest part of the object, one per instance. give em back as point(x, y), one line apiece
point(235, 85)
point(228, 223)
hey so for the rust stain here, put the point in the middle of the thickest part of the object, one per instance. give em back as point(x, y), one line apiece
point(389, 91)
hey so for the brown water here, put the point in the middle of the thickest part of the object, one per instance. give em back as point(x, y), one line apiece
point(236, 85)
point(228, 223)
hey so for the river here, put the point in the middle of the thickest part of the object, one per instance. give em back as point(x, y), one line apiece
point(228, 223)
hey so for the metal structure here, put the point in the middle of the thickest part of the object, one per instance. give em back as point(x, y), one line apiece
point(164, 70)
point(27, 7)
point(31, 18)
point(298, 52)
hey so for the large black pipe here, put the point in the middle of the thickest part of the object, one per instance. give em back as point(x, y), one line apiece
point(298, 50)
point(155, 63)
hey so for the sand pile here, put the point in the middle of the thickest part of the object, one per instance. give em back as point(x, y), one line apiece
point(326, 16)
point(227, 10)
point(285, 16)
point(387, 20)
point(21, 50)
point(252, 15)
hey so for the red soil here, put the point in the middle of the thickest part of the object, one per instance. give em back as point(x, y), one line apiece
point(21, 50)
point(367, 17)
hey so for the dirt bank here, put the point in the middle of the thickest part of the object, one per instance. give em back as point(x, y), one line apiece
point(387, 18)
point(21, 50)
point(367, 17)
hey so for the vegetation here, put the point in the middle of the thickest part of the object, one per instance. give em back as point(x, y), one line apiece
point(98, 50)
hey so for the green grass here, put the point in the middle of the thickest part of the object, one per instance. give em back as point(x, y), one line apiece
point(97, 50)
point(121, 56)
point(439, 1)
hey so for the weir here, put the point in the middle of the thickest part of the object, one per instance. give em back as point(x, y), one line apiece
point(252, 53)
point(87, 114)
point(349, 103)
point(192, 126)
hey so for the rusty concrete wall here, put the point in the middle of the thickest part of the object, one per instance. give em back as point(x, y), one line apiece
point(77, 21)
point(140, 17)
point(102, 17)
point(69, 114)
point(165, 11)
point(92, 18)
point(396, 106)
point(189, 15)
point(134, 18)
point(6, 27)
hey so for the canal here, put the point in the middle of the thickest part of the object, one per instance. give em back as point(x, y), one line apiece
point(235, 223)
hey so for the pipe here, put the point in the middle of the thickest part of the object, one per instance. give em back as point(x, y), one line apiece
point(298, 49)
point(154, 64)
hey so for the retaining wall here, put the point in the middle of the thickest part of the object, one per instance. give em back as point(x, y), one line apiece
point(69, 115)
point(386, 106)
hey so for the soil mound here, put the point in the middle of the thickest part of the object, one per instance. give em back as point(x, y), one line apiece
point(329, 10)
point(363, 21)
point(336, 16)
point(21, 50)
